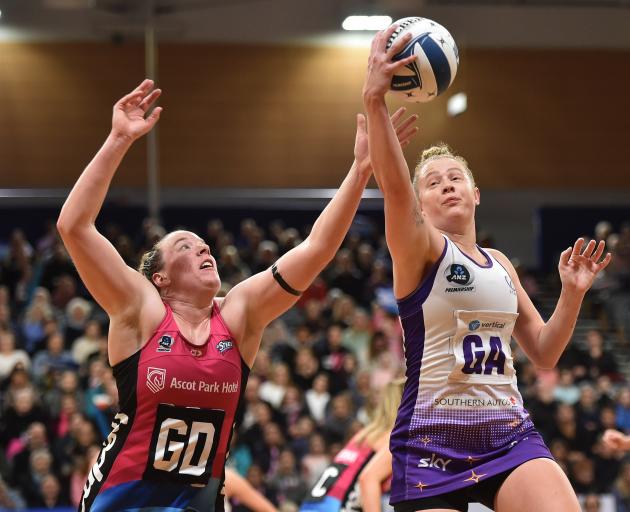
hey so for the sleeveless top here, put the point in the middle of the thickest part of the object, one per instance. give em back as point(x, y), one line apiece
point(461, 410)
point(337, 489)
point(169, 442)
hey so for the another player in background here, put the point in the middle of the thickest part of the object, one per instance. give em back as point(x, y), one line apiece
point(462, 434)
point(354, 479)
point(180, 355)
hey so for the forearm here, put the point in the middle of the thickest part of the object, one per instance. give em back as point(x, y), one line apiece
point(388, 161)
point(370, 495)
point(86, 197)
point(333, 223)
point(555, 335)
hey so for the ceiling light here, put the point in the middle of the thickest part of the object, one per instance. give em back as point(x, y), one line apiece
point(457, 104)
point(366, 22)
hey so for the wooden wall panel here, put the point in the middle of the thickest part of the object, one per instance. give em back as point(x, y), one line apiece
point(271, 116)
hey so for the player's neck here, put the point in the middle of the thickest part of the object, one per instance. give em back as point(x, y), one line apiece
point(189, 311)
point(466, 239)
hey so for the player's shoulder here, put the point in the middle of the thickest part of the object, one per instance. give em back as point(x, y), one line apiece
point(501, 258)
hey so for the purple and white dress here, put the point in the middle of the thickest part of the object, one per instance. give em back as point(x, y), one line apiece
point(461, 419)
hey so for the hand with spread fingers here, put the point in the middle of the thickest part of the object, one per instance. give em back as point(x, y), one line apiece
point(580, 264)
point(405, 130)
point(381, 66)
point(130, 118)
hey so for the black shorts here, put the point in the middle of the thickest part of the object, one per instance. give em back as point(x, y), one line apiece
point(483, 492)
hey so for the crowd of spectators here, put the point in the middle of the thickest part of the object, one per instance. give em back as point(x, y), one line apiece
point(315, 379)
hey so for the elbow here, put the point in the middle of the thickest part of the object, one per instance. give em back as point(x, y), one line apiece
point(67, 226)
point(321, 251)
point(545, 363)
point(63, 225)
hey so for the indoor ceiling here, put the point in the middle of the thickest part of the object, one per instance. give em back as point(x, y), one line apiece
point(474, 23)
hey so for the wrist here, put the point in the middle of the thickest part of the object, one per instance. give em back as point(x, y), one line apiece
point(572, 294)
point(120, 139)
point(362, 167)
point(373, 98)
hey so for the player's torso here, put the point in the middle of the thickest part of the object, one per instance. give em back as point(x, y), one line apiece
point(457, 341)
point(171, 435)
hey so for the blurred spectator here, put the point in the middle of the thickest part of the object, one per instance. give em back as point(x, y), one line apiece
point(10, 356)
point(566, 391)
point(315, 460)
point(49, 363)
point(622, 488)
point(87, 344)
point(287, 484)
point(345, 275)
point(339, 418)
point(77, 314)
point(331, 354)
point(273, 390)
point(623, 410)
point(317, 398)
point(356, 338)
point(18, 416)
point(33, 324)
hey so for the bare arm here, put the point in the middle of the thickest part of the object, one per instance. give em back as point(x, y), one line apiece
point(237, 487)
point(411, 242)
point(260, 298)
point(372, 477)
point(543, 342)
point(119, 289)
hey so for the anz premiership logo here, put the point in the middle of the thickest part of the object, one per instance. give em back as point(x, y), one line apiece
point(165, 343)
point(155, 379)
point(461, 276)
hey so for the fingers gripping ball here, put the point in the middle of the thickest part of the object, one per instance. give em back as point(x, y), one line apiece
point(437, 60)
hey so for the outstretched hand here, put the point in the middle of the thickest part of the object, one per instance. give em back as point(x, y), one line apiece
point(579, 265)
point(405, 130)
point(616, 440)
point(381, 66)
point(129, 119)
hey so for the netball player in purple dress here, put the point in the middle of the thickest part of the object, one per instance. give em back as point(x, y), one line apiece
point(462, 434)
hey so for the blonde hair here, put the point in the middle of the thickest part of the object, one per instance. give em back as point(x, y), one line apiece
point(441, 150)
point(384, 414)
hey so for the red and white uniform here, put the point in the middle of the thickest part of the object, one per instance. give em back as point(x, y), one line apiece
point(169, 442)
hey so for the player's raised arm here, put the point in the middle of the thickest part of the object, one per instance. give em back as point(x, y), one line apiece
point(411, 241)
point(268, 294)
point(119, 289)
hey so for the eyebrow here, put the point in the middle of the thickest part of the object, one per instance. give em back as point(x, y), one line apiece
point(181, 239)
point(447, 170)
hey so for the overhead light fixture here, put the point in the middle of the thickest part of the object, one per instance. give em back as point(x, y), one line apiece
point(457, 104)
point(373, 23)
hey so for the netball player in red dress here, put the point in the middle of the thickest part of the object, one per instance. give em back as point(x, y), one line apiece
point(180, 355)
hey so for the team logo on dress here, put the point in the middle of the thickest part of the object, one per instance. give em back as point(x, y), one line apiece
point(510, 285)
point(156, 378)
point(224, 345)
point(458, 274)
point(474, 325)
point(165, 343)
point(196, 352)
